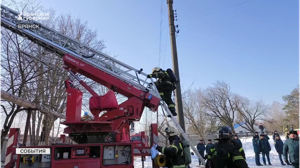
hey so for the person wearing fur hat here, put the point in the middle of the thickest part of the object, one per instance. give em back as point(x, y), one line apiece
point(291, 147)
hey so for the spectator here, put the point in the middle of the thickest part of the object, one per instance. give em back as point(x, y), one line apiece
point(201, 149)
point(237, 140)
point(291, 128)
point(216, 142)
point(287, 136)
point(279, 147)
point(274, 135)
point(291, 147)
point(261, 127)
point(265, 148)
point(209, 146)
point(255, 142)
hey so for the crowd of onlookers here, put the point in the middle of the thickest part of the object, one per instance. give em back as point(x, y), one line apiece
point(289, 150)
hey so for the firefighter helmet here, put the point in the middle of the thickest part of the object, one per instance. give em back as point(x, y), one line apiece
point(171, 131)
point(156, 69)
point(224, 133)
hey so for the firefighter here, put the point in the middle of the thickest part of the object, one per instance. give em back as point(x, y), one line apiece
point(165, 87)
point(224, 154)
point(173, 153)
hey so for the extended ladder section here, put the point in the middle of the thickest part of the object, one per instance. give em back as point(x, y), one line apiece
point(175, 122)
point(61, 44)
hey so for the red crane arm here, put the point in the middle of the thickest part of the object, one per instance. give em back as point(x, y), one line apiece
point(101, 77)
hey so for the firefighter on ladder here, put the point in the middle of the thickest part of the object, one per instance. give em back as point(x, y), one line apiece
point(173, 153)
point(165, 87)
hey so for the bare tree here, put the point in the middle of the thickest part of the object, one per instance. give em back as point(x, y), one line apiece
point(36, 79)
point(251, 112)
point(16, 72)
point(276, 117)
point(218, 101)
point(194, 112)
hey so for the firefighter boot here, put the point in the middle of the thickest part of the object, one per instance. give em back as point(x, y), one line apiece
point(173, 113)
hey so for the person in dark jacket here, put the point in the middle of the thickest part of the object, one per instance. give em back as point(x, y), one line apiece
point(209, 146)
point(174, 152)
point(255, 142)
point(265, 148)
point(164, 86)
point(224, 154)
point(274, 135)
point(201, 149)
point(239, 147)
point(291, 147)
point(291, 128)
point(237, 140)
point(287, 135)
point(279, 148)
point(261, 127)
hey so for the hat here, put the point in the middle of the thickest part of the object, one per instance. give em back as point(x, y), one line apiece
point(209, 139)
point(294, 132)
point(256, 132)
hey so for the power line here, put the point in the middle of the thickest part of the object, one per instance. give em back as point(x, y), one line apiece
point(220, 11)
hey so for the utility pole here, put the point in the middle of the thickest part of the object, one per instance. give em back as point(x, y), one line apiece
point(178, 99)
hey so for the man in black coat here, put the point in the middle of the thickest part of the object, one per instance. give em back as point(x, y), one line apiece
point(279, 148)
point(274, 135)
point(261, 127)
point(201, 149)
point(209, 146)
point(255, 142)
point(265, 148)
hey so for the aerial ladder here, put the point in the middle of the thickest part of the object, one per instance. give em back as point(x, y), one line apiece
point(111, 127)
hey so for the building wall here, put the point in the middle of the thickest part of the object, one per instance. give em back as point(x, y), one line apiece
point(242, 131)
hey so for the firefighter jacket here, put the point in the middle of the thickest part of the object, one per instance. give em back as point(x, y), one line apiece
point(225, 154)
point(164, 80)
point(174, 152)
point(239, 147)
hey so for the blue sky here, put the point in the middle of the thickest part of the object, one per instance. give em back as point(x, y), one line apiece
point(251, 44)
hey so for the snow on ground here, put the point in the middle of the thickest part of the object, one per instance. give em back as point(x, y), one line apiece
point(250, 156)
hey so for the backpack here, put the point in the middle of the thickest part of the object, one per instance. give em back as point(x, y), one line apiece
point(186, 152)
point(172, 76)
